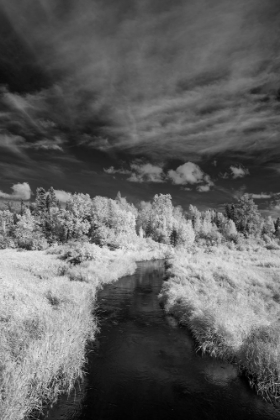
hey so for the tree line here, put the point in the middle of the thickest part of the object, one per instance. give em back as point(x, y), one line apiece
point(115, 222)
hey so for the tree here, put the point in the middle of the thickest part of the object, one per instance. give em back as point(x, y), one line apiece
point(40, 201)
point(6, 221)
point(218, 219)
point(124, 205)
point(161, 218)
point(28, 233)
point(51, 200)
point(277, 226)
point(229, 230)
point(268, 227)
point(113, 222)
point(245, 215)
point(182, 233)
point(143, 220)
point(196, 219)
point(230, 212)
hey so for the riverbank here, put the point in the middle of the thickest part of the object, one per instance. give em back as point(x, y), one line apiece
point(46, 317)
point(230, 300)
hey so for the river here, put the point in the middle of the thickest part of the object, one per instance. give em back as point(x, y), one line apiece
point(144, 366)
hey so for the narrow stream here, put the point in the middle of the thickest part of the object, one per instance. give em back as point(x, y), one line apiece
point(144, 366)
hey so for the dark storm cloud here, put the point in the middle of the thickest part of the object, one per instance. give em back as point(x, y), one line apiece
point(162, 79)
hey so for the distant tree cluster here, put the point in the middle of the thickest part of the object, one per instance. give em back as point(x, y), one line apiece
point(115, 223)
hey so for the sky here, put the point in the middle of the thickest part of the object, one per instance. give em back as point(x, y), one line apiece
point(142, 97)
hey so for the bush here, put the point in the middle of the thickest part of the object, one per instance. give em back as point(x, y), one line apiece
point(231, 246)
point(76, 252)
point(272, 246)
point(32, 241)
point(214, 237)
point(229, 230)
point(6, 242)
point(266, 238)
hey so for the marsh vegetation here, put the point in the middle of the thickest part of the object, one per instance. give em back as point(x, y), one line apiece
point(229, 299)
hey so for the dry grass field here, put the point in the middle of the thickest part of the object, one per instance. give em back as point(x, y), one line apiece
point(230, 300)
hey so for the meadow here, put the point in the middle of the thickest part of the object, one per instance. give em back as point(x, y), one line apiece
point(47, 301)
point(230, 300)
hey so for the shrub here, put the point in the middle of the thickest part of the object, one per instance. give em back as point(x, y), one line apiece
point(6, 242)
point(266, 238)
point(231, 246)
point(214, 237)
point(272, 246)
point(32, 241)
point(76, 252)
point(229, 230)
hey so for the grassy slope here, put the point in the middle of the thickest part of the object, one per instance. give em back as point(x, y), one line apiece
point(231, 302)
point(46, 320)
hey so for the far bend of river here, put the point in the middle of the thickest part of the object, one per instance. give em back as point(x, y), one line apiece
point(144, 366)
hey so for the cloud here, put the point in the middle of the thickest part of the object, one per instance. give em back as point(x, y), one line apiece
point(260, 196)
point(47, 144)
point(217, 91)
point(140, 172)
point(239, 172)
point(113, 170)
point(20, 192)
point(239, 192)
point(203, 188)
point(14, 172)
point(190, 173)
point(224, 175)
point(12, 143)
point(62, 196)
point(274, 203)
point(274, 167)
point(146, 173)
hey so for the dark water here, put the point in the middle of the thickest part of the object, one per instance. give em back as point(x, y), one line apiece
point(144, 366)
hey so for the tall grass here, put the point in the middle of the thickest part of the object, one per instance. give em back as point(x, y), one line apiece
point(230, 300)
point(45, 322)
point(46, 317)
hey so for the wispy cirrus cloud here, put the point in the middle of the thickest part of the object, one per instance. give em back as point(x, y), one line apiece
point(217, 91)
point(12, 143)
point(47, 144)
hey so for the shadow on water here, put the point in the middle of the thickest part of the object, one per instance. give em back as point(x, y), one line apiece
point(144, 366)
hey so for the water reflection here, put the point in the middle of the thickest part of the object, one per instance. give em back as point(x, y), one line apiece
point(145, 366)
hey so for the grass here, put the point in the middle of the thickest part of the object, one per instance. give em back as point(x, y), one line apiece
point(46, 305)
point(45, 322)
point(230, 300)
